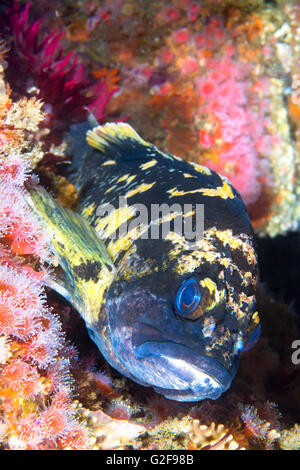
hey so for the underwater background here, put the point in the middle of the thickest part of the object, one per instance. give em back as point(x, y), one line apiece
point(214, 82)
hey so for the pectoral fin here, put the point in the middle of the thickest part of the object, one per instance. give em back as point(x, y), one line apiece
point(87, 267)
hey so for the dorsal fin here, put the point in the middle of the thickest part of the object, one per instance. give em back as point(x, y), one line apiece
point(120, 140)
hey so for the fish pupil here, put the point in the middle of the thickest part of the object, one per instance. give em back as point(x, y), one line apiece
point(188, 296)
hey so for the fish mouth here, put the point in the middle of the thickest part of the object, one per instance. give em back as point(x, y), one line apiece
point(191, 376)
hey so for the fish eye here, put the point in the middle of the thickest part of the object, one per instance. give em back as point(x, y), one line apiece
point(188, 296)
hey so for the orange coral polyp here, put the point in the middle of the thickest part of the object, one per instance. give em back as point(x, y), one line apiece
point(21, 377)
point(7, 318)
point(53, 422)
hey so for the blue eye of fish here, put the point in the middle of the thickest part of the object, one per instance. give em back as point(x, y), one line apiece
point(253, 339)
point(188, 297)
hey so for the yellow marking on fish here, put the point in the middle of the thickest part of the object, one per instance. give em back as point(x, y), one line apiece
point(124, 243)
point(189, 214)
point(209, 284)
point(126, 178)
point(208, 251)
point(179, 243)
point(239, 308)
point(109, 162)
point(110, 189)
point(90, 290)
point(131, 178)
point(205, 251)
point(102, 136)
point(215, 293)
point(149, 164)
point(139, 189)
point(226, 237)
point(132, 265)
point(255, 318)
point(175, 192)
point(65, 229)
point(189, 263)
point(187, 175)
point(88, 210)
point(201, 168)
point(123, 178)
point(238, 242)
point(222, 191)
point(219, 343)
point(167, 217)
point(205, 244)
point(109, 224)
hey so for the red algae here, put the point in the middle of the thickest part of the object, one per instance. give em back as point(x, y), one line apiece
point(59, 78)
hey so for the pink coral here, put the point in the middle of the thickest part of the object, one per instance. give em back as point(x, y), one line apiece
point(16, 220)
point(35, 389)
point(234, 134)
point(239, 130)
point(193, 11)
point(181, 36)
point(216, 97)
point(169, 14)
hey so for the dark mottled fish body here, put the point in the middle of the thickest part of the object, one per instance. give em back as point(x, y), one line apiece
point(161, 312)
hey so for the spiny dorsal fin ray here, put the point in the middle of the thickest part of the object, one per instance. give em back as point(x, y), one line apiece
point(88, 268)
point(120, 140)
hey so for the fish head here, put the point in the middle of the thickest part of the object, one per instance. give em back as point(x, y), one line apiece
point(181, 331)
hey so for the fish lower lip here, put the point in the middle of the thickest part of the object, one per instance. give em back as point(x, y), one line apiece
point(205, 377)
